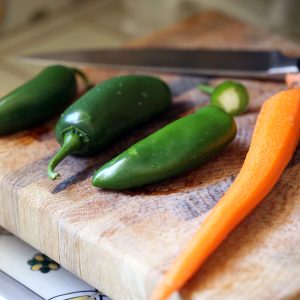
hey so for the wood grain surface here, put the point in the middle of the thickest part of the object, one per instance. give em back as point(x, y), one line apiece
point(122, 242)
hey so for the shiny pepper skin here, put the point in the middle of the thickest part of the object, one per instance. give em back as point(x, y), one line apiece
point(182, 145)
point(107, 111)
point(38, 100)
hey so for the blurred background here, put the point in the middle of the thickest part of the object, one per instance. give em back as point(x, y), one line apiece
point(44, 25)
point(138, 17)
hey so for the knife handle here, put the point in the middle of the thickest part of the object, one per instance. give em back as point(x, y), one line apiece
point(293, 80)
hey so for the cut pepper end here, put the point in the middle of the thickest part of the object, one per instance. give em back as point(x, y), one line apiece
point(231, 96)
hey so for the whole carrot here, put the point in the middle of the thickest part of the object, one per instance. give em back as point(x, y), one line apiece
point(275, 138)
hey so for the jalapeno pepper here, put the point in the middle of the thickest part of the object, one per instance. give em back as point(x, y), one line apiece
point(38, 100)
point(106, 112)
point(231, 96)
point(182, 145)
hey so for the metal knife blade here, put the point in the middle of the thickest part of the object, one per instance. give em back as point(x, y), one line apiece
point(253, 64)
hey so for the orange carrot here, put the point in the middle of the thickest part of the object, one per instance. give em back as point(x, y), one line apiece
point(273, 143)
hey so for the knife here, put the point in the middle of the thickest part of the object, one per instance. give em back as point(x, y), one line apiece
point(251, 64)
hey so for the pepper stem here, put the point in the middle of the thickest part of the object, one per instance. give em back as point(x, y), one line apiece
point(72, 142)
point(85, 79)
point(205, 88)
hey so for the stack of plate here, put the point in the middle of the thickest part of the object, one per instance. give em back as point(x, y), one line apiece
point(29, 275)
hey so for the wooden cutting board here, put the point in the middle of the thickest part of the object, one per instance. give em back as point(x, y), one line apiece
point(122, 242)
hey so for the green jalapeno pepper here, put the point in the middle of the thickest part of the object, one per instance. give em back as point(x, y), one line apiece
point(39, 99)
point(106, 112)
point(231, 96)
point(182, 145)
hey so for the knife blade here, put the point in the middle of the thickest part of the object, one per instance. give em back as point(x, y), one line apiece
point(252, 64)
